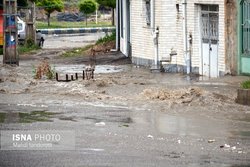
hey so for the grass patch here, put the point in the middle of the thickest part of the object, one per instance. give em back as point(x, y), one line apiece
point(63, 24)
point(27, 48)
point(245, 84)
point(77, 52)
point(100, 45)
point(107, 38)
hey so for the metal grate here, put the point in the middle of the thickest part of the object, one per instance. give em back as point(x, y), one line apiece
point(210, 27)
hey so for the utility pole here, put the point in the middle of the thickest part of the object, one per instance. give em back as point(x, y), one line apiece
point(10, 55)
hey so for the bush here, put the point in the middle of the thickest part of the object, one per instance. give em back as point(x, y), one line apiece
point(107, 38)
point(44, 70)
point(245, 84)
point(27, 47)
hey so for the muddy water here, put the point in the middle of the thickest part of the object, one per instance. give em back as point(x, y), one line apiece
point(99, 69)
point(157, 122)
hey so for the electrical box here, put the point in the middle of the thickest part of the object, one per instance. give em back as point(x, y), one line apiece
point(10, 32)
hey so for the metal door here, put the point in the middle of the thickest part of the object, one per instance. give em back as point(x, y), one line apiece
point(210, 29)
point(245, 37)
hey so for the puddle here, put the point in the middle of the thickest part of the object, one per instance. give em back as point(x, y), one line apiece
point(190, 125)
point(241, 133)
point(99, 69)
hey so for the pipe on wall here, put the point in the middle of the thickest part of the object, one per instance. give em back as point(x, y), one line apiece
point(185, 37)
point(155, 33)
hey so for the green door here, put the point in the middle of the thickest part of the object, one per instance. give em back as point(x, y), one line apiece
point(244, 47)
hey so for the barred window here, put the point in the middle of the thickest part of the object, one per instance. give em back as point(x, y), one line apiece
point(148, 12)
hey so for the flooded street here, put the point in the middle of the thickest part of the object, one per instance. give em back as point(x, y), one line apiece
point(126, 116)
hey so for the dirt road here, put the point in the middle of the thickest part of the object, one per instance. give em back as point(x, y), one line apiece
point(125, 116)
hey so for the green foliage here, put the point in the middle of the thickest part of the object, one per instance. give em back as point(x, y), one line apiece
point(245, 84)
point(87, 7)
point(107, 38)
point(50, 6)
point(107, 3)
point(29, 46)
point(111, 4)
point(77, 52)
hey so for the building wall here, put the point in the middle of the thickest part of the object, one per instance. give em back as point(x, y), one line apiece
point(169, 19)
point(141, 37)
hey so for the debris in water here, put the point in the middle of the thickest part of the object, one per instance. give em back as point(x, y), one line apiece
point(233, 148)
point(211, 141)
point(227, 146)
point(100, 124)
point(150, 136)
point(125, 125)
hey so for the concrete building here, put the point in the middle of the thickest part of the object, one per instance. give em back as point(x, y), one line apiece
point(206, 37)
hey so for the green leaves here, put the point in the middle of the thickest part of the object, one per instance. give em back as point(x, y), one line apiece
point(107, 3)
point(51, 5)
point(87, 6)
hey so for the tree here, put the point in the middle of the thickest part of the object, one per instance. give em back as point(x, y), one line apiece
point(50, 6)
point(111, 4)
point(87, 7)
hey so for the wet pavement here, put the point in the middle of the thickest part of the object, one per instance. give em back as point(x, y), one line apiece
point(126, 116)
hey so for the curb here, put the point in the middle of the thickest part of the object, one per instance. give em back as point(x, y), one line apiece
point(76, 30)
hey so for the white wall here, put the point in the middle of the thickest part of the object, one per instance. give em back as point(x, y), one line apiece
point(170, 23)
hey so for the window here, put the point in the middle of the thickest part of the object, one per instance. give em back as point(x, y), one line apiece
point(148, 12)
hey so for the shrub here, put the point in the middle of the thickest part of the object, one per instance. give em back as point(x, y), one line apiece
point(44, 70)
point(245, 84)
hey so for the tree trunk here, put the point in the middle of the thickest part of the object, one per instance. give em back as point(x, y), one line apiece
point(86, 20)
point(113, 16)
point(48, 15)
point(31, 27)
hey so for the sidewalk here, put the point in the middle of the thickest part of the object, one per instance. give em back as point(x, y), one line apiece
point(76, 30)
